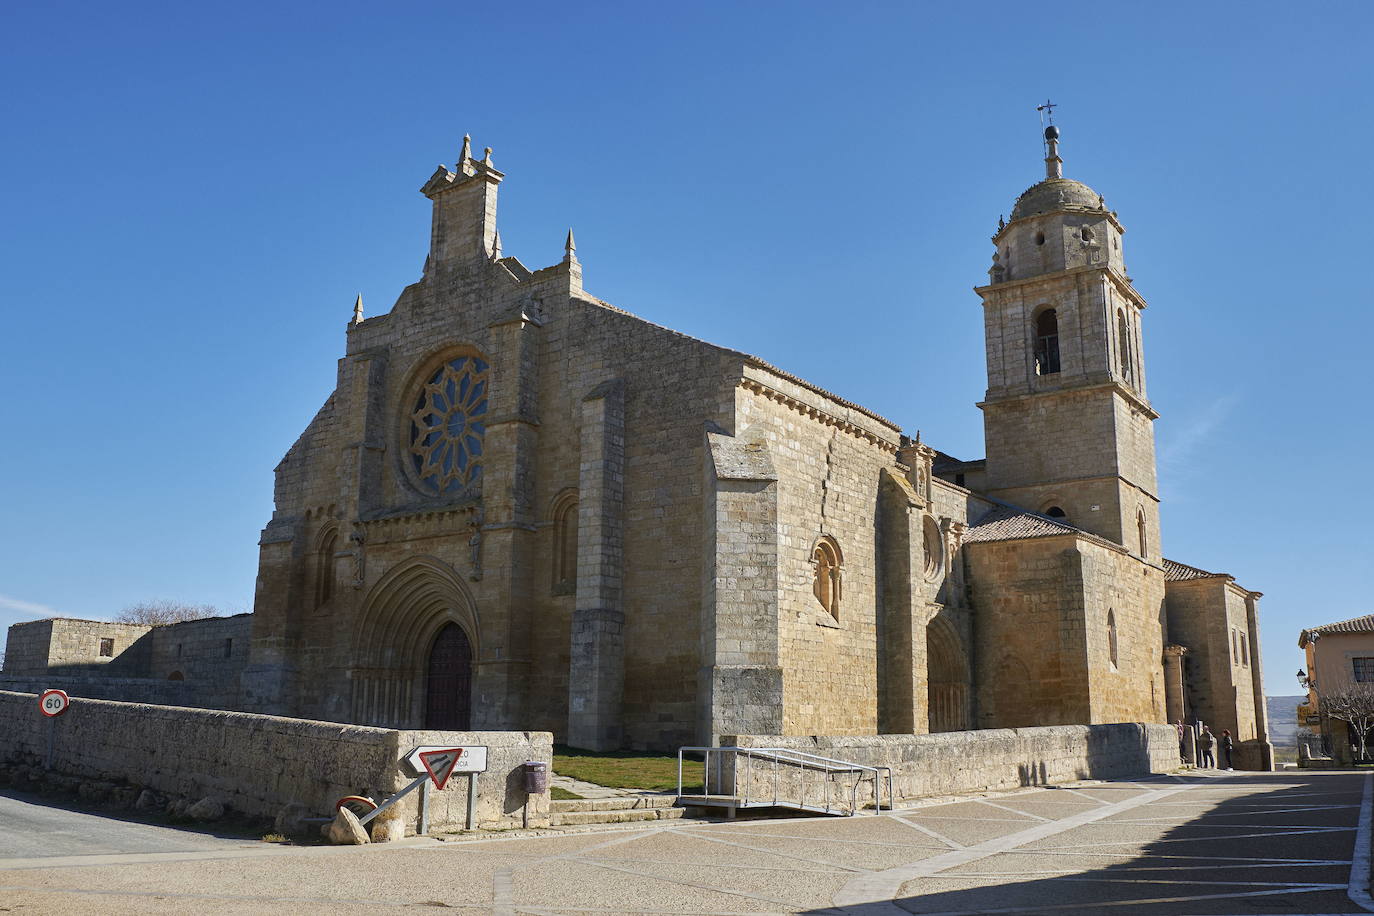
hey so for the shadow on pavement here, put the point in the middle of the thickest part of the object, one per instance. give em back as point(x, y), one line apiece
point(1205, 866)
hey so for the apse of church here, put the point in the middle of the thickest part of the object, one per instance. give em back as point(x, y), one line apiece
point(524, 508)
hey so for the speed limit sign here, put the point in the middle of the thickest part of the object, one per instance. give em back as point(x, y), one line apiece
point(54, 703)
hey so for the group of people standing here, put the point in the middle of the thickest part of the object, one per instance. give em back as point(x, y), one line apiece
point(1206, 741)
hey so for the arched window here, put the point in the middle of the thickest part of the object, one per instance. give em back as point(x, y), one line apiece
point(1111, 636)
point(324, 567)
point(1141, 533)
point(1123, 345)
point(826, 585)
point(565, 544)
point(1056, 512)
point(1047, 343)
point(932, 547)
point(176, 676)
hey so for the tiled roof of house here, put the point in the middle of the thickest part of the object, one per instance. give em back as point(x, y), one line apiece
point(1007, 523)
point(1364, 624)
point(1182, 572)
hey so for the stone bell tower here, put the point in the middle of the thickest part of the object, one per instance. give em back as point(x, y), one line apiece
point(1068, 425)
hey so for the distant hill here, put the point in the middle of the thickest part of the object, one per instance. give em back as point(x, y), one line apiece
point(1283, 720)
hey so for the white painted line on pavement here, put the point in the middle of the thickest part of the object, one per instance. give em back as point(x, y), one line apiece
point(1034, 817)
point(1358, 890)
point(952, 844)
point(876, 891)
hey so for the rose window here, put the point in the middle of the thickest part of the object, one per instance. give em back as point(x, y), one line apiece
point(447, 426)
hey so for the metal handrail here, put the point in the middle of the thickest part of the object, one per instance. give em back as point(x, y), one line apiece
point(824, 765)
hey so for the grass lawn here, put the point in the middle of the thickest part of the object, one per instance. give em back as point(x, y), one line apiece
point(558, 793)
point(627, 769)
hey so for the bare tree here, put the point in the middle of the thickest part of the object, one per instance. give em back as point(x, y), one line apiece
point(1352, 704)
point(158, 613)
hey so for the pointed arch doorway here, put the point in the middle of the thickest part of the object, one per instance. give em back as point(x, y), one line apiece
point(947, 676)
point(448, 681)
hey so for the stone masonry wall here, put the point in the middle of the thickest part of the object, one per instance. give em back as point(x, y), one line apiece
point(26, 647)
point(257, 764)
point(828, 482)
point(1131, 688)
point(75, 647)
point(1031, 651)
point(973, 761)
point(210, 653)
point(207, 655)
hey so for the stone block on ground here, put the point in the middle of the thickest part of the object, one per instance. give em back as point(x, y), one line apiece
point(291, 819)
point(388, 830)
point(208, 808)
point(345, 830)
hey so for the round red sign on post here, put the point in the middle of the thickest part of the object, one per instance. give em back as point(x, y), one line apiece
point(54, 703)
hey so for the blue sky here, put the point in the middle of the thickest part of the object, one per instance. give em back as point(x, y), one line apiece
point(195, 194)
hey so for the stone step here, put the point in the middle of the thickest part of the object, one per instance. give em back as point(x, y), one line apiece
point(624, 816)
point(614, 803)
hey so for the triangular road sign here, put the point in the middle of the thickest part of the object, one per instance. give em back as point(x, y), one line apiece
point(439, 764)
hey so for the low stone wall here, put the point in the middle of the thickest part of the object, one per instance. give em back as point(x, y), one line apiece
point(122, 689)
point(258, 764)
point(952, 763)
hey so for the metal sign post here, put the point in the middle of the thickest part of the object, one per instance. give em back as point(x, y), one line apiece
point(432, 767)
point(53, 703)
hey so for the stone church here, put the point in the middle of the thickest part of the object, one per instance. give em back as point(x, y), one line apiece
point(522, 507)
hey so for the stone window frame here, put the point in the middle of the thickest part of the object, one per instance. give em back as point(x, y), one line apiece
point(1051, 506)
point(326, 545)
point(563, 522)
point(106, 647)
point(1125, 359)
point(932, 548)
point(1046, 360)
point(827, 578)
point(407, 412)
point(1113, 647)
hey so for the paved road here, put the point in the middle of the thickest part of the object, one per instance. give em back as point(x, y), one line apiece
point(30, 829)
point(1198, 844)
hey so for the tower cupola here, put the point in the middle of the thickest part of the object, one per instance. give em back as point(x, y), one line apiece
point(1056, 224)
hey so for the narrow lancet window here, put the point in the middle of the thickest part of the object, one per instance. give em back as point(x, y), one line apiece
point(1111, 636)
point(1123, 345)
point(565, 545)
point(1047, 343)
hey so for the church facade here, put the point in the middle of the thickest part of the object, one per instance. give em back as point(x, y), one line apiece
point(524, 508)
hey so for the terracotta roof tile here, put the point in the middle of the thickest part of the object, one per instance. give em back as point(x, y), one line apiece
point(1007, 523)
point(1182, 572)
point(1364, 624)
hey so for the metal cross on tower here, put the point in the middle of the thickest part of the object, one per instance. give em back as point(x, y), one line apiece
point(1046, 112)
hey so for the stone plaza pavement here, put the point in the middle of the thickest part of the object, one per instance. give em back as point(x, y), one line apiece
point(1203, 843)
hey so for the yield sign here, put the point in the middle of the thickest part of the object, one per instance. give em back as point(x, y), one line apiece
point(439, 764)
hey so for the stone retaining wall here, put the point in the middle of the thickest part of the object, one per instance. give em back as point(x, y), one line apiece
point(258, 764)
point(952, 763)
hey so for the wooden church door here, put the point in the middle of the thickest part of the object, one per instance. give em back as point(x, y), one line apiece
point(448, 687)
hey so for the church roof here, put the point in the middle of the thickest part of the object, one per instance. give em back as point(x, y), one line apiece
point(1056, 194)
point(1182, 572)
point(1008, 523)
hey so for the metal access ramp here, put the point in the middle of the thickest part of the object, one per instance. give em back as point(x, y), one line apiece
point(776, 777)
